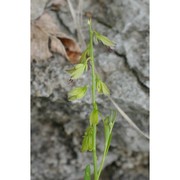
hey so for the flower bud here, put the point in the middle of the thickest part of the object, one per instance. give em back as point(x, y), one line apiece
point(87, 144)
point(94, 117)
point(77, 93)
point(77, 71)
point(102, 88)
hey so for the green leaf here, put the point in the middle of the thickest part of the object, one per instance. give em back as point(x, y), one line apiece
point(87, 144)
point(94, 117)
point(87, 173)
point(77, 71)
point(77, 93)
point(112, 119)
point(98, 86)
point(106, 129)
point(108, 143)
point(104, 39)
point(95, 40)
point(108, 126)
point(105, 89)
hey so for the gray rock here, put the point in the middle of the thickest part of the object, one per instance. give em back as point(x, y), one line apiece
point(37, 8)
point(129, 20)
point(134, 26)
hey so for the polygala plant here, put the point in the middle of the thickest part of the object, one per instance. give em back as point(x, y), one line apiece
point(97, 86)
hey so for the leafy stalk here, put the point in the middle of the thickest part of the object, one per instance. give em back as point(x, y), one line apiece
point(93, 98)
point(97, 86)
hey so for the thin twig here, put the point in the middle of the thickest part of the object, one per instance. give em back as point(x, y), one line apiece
point(126, 117)
point(77, 18)
point(73, 13)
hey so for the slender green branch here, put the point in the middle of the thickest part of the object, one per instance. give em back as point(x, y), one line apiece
point(94, 153)
point(93, 99)
point(102, 162)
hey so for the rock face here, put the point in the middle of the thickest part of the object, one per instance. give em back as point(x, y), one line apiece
point(58, 125)
point(37, 8)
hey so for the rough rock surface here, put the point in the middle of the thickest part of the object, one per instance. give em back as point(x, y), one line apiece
point(37, 8)
point(58, 125)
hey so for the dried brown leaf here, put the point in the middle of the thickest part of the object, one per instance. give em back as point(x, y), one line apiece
point(56, 46)
point(72, 48)
point(46, 37)
point(47, 23)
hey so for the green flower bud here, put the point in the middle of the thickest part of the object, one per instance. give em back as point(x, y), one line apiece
point(105, 89)
point(94, 117)
point(102, 88)
point(87, 144)
point(89, 21)
point(77, 71)
point(104, 39)
point(77, 93)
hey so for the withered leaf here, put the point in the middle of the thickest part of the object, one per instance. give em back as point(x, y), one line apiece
point(39, 44)
point(46, 38)
point(73, 50)
point(56, 46)
point(46, 22)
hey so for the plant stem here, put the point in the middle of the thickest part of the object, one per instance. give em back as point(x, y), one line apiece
point(94, 153)
point(102, 162)
point(93, 99)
